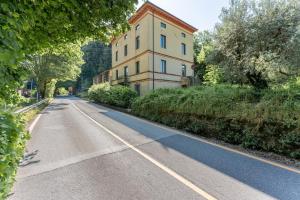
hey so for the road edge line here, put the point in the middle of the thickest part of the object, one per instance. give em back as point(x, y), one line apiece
point(36, 119)
point(153, 161)
point(32, 125)
point(264, 160)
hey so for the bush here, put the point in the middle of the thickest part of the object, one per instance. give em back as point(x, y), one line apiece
point(62, 91)
point(268, 120)
point(12, 144)
point(212, 75)
point(50, 88)
point(121, 96)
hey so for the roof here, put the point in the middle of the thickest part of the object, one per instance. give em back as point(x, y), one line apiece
point(148, 6)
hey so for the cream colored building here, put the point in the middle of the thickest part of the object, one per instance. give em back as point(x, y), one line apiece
point(157, 52)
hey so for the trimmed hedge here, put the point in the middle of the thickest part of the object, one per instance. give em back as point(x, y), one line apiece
point(267, 120)
point(121, 96)
point(12, 145)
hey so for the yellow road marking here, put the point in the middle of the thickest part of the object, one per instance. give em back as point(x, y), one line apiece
point(155, 162)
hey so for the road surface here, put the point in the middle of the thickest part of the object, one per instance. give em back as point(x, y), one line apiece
point(89, 152)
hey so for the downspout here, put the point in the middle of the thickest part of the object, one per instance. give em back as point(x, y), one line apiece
point(153, 50)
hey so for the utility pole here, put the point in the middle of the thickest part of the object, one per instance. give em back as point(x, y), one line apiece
point(153, 50)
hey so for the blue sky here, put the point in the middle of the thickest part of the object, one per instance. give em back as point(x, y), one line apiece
point(202, 14)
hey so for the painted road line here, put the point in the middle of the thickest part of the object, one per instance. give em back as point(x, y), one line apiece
point(32, 125)
point(213, 144)
point(152, 160)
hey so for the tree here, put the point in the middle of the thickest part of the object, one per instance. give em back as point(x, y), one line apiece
point(97, 57)
point(30, 33)
point(51, 66)
point(259, 41)
point(30, 26)
point(203, 47)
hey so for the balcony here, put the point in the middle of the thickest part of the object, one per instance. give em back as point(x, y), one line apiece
point(123, 80)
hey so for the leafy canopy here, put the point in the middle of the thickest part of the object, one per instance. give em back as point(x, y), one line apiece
point(55, 65)
point(259, 41)
point(30, 26)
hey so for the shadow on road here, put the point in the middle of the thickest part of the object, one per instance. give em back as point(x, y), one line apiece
point(274, 181)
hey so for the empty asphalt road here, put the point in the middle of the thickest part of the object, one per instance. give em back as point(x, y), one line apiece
point(90, 152)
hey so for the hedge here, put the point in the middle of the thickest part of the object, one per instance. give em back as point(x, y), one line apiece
point(12, 145)
point(119, 95)
point(265, 120)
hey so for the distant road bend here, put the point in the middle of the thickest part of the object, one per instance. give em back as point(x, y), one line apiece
point(90, 152)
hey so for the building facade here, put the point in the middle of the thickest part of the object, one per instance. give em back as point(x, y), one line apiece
point(103, 77)
point(157, 52)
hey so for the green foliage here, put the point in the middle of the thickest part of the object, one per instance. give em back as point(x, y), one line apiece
point(51, 23)
point(259, 41)
point(41, 34)
point(212, 74)
point(97, 57)
point(121, 96)
point(203, 47)
point(61, 65)
point(62, 91)
point(12, 144)
point(267, 120)
point(201, 41)
point(50, 88)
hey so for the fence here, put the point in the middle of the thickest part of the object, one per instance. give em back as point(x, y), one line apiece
point(27, 108)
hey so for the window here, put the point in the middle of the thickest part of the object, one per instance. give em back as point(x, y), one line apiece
point(125, 71)
point(116, 56)
point(137, 27)
point(183, 35)
point(163, 25)
point(163, 66)
point(163, 42)
point(137, 88)
point(183, 70)
point(183, 49)
point(137, 67)
point(125, 50)
point(125, 37)
point(137, 42)
point(117, 75)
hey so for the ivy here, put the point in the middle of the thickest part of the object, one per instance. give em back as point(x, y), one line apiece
point(12, 144)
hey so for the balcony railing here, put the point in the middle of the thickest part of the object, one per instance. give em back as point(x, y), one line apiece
point(123, 80)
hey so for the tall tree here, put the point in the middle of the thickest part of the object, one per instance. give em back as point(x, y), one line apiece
point(259, 40)
point(30, 26)
point(97, 57)
point(51, 66)
point(203, 46)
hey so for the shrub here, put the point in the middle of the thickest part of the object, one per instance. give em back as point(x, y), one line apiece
point(121, 96)
point(12, 145)
point(62, 91)
point(50, 88)
point(267, 120)
point(212, 75)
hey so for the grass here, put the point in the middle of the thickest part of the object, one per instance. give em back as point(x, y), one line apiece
point(267, 120)
point(31, 114)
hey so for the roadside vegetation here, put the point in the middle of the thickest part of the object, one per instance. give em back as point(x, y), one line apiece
point(62, 91)
point(31, 114)
point(267, 120)
point(12, 145)
point(13, 138)
point(121, 96)
point(249, 81)
point(45, 46)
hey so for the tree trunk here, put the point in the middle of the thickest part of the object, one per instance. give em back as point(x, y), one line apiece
point(256, 80)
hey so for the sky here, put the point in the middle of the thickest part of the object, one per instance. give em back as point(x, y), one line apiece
point(202, 14)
